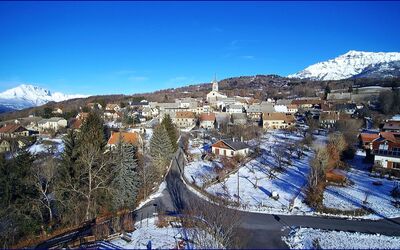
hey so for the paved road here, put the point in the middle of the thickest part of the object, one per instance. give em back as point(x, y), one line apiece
point(258, 230)
point(262, 230)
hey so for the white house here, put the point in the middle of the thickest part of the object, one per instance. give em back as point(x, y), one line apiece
point(54, 123)
point(234, 109)
point(207, 120)
point(230, 148)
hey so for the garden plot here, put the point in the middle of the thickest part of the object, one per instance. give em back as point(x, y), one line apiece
point(363, 192)
point(309, 238)
point(47, 145)
point(259, 179)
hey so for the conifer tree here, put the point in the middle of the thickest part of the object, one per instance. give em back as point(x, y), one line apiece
point(70, 155)
point(126, 181)
point(171, 131)
point(161, 149)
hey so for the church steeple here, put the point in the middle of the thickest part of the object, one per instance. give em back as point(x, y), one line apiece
point(215, 83)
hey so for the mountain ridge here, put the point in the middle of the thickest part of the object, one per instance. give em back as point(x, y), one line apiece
point(348, 65)
point(27, 95)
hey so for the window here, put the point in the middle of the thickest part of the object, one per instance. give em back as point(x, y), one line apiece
point(383, 147)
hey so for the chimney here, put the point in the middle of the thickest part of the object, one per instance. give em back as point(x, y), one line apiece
point(241, 138)
point(233, 139)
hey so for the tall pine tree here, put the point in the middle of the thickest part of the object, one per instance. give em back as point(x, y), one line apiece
point(125, 183)
point(92, 131)
point(70, 155)
point(161, 149)
point(171, 130)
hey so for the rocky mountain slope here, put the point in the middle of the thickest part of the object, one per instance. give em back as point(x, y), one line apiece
point(25, 96)
point(353, 64)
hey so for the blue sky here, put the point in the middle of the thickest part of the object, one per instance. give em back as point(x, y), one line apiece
point(131, 47)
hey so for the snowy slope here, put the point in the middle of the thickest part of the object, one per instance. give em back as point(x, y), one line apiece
point(381, 70)
point(25, 96)
point(348, 65)
point(310, 238)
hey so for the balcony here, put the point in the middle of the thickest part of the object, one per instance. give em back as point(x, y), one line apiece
point(389, 153)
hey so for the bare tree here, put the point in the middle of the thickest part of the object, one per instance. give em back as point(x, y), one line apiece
point(213, 225)
point(280, 155)
point(94, 176)
point(44, 174)
point(316, 178)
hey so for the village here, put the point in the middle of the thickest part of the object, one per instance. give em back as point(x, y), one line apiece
point(255, 155)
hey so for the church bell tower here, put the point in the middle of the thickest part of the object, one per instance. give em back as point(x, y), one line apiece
point(215, 84)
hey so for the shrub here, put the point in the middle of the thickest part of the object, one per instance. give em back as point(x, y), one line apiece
point(396, 191)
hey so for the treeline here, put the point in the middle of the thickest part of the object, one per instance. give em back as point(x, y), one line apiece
point(41, 194)
point(389, 102)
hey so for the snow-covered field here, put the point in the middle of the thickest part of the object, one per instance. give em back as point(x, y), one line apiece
point(258, 179)
point(309, 238)
point(200, 171)
point(147, 231)
point(351, 197)
point(47, 145)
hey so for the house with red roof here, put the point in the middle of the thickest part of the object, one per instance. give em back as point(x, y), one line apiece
point(132, 138)
point(207, 120)
point(386, 150)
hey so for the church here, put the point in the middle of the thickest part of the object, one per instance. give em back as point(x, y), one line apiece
point(214, 95)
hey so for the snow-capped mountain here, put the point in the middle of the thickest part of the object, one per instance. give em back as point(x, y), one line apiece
point(381, 70)
point(346, 66)
point(25, 96)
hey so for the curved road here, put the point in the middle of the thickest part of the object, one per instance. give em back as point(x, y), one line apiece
point(261, 230)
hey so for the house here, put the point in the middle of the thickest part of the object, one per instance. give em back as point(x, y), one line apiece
point(5, 146)
point(278, 120)
point(239, 118)
point(94, 105)
point(82, 116)
point(391, 126)
point(113, 106)
point(184, 119)
point(280, 108)
point(149, 112)
point(347, 108)
point(235, 109)
point(132, 138)
point(189, 103)
point(307, 103)
point(57, 111)
point(292, 108)
point(255, 111)
point(366, 138)
point(230, 148)
point(207, 120)
point(328, 119)
point(112, 115)
point(13, 130)
point(386, 150)
point(54, 123)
